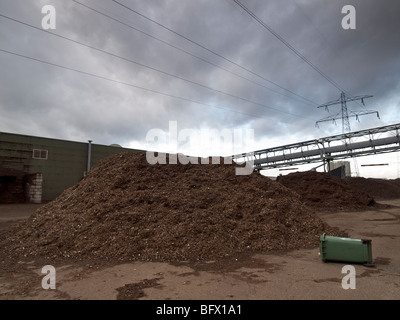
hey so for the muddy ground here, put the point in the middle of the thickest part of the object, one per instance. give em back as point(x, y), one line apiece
point(297, 274)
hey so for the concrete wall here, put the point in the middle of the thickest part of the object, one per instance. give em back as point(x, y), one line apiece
point(62, 166)
point(337, 164)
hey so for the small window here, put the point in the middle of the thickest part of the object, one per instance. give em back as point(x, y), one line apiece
point(40, 154)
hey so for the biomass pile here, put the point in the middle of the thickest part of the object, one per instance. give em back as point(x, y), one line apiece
point(322, 191)
point(377, 188)
point(126, 209)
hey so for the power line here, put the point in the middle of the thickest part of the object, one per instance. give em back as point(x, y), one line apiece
point(326, 42)
point(209, 50)
point(126, 84)
point(151, 68)
point(287, 44)
point(344, 114)
point(193, 55)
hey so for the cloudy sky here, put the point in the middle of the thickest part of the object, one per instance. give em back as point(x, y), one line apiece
point(113, 71)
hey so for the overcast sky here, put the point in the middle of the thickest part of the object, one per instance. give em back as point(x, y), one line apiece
point(206, 64)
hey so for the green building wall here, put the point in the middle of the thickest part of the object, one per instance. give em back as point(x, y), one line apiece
point(66, 162)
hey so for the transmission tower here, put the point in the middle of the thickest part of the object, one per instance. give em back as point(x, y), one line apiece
point(344, 114)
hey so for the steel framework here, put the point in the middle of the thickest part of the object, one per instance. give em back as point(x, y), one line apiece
point(344, 114)
point(365, 142)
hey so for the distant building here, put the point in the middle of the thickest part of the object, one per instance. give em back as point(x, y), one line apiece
point(37, 169)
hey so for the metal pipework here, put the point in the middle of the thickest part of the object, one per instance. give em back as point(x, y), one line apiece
point(89, 156)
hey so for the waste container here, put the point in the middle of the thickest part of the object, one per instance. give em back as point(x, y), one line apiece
point(345, 249)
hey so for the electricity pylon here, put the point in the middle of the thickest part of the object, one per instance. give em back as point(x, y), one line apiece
point(344, 114)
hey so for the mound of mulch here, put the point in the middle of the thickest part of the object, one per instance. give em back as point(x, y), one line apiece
point(378, 188)
point(322, 191)
point(126, 209)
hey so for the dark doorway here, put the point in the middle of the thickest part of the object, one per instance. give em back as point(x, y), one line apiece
point(12, 189)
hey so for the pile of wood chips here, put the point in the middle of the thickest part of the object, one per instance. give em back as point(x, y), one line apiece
point(126, 209)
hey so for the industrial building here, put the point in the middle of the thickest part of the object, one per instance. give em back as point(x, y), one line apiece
point(340, 169)
point(36, 169)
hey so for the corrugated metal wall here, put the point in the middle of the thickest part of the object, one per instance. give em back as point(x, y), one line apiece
point(62, 166)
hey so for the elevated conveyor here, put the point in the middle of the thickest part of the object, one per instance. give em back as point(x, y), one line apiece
point(353, 144)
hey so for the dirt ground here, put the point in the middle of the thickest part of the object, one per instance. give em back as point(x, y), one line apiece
point(298, 274)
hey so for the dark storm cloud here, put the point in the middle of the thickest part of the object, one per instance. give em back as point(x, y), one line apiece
point(39, 99)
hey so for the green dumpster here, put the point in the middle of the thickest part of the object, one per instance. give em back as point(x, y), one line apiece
point(345, 249)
